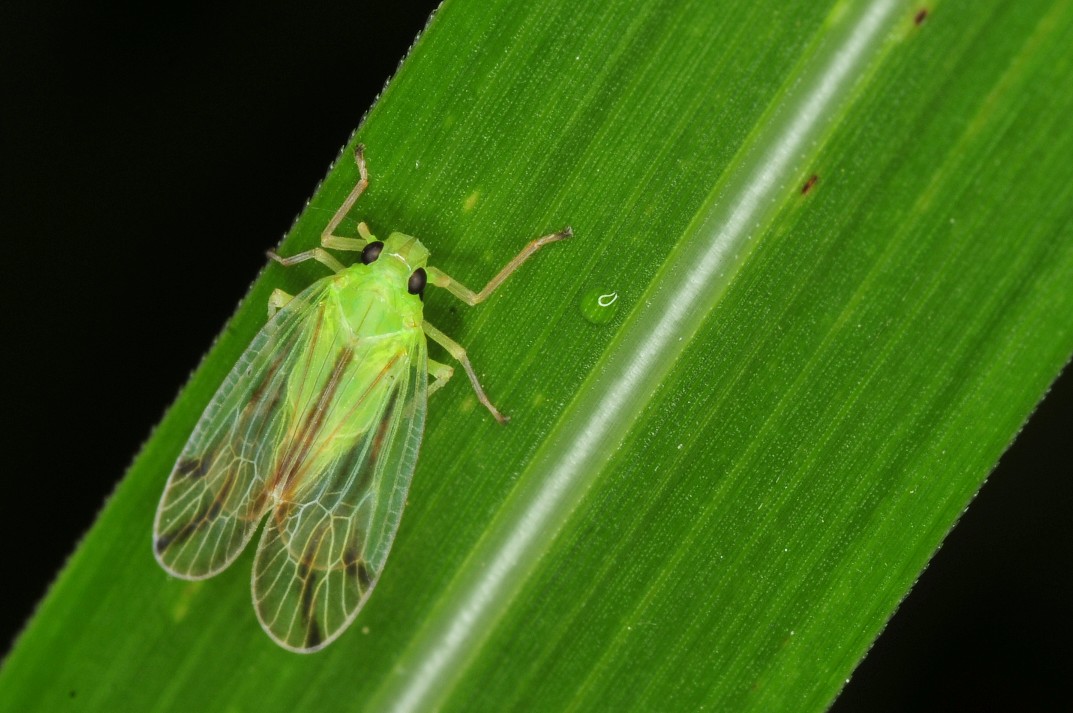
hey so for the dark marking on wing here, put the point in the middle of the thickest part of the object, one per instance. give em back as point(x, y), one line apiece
point(162, 543)
point(259, 503)
point(214, 511)
point(350, 562)
point(306, 436)
point(356, 568)
point(307, 573)
point(363, 577)
point(313, 635)
point(192, 468)
point(385, 423)
point(285, 462)
point(368, 467)
point(194, 524)
point(259, 391)
point(165, 541)
point(309, 587)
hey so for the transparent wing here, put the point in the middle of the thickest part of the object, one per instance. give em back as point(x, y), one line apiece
point(326, 541)
point(217, 492)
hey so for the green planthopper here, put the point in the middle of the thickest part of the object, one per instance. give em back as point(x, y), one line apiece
point(318, 426)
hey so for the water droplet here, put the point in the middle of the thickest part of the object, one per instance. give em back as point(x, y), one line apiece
point(599, 306)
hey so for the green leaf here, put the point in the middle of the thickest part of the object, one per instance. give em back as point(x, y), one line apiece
point(839, 236)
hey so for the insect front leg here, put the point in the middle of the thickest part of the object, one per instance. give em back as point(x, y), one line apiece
point(459, 353)
point(328, 238)
point(440, 279)
point(277, 301)
point(336, 242)
point(319, 254)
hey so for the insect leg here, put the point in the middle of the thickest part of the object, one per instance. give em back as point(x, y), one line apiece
point(455, 349)
point(276, 301)
point(441, 373)
point(440, 279)
point(319, 254)
point(356, 245)
point(328, 238)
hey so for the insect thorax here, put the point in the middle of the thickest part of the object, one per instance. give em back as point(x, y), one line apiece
point(372, 301)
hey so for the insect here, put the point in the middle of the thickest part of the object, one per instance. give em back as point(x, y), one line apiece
point(318, 426)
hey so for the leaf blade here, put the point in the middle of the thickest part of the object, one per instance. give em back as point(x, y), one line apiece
point(869, 245)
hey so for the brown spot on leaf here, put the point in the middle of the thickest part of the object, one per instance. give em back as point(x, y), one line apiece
point(922, 14)
point(813, 179)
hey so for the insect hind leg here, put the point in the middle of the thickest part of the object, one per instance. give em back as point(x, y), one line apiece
point(441, 374)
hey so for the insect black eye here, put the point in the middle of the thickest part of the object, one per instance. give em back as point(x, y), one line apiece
point(371, 252)
point(416, 286)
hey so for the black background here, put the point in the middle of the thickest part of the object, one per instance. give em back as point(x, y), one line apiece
point(122, 130)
